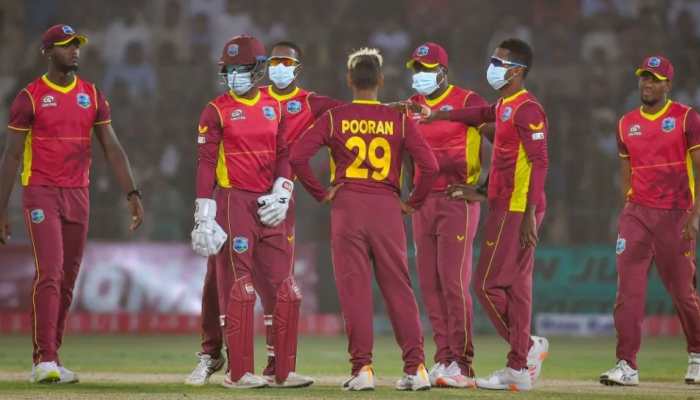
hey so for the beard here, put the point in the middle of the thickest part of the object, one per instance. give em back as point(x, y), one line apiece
point(649, 102)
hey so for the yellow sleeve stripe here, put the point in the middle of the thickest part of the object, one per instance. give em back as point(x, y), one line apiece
point(19, 129)
point(109, 121)
point(330, 115)
point(624, 155)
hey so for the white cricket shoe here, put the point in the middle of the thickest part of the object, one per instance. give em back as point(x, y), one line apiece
point(206, 367)
point(293, 380)
point(622, 374)
point(247, 381)
point(536, 356)
point(419, 381)
point(364, 380)
point(67, 376)
point(454, 378)
point(436, 372)
point(507, 379)
point(45, 372)
point(692, 377)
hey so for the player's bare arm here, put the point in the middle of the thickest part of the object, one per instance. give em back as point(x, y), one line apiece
point(115, 155)
point(692, 225)
point(470, 193)
point(9, 167)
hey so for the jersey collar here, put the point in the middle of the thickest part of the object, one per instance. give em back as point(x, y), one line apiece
point(366, 102)
point(57, 87)
point(440, 98)
point(656, 115)
point(513, 96)
point(247, 102)
point(282, 97)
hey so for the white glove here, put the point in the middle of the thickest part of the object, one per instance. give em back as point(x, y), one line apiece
point(207, 235)
point(273, 207)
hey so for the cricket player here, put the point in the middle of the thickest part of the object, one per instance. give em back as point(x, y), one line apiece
point(444, 228)
point(516, 198)
point(242, 152)
point(658, 145)
point(299, 109)
point(367, 141)
point(50, 129)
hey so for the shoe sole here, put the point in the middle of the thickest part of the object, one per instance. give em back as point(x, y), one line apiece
point(296, 386)
point(51, 377)
point(442, 383)
point(609, 382)
point(230, 386)
point(364, 389)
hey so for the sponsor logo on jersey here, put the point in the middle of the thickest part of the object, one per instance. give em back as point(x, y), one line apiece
point(505, 115)
point(83, 100)
point(37, 215)
point(635, 130)
point(294, 106)
point(537, 127)
point(202, 129)
point(537, 135)
point(446, 108)
point(48, 101)
point(201, 139)
point(240, 244)
point(222, 320)
point(237, 114)
point(654, 62)
point(668, 124)
point(232, 50)
point(290, 238)
point(422, 51)
point(249, 288)
point(460, 237)
point(620, 246)
point(269, 112)
point(68, 30)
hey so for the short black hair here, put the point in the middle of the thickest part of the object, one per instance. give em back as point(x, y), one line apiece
point(365, 71)
point(520, 52)
point(291, 45)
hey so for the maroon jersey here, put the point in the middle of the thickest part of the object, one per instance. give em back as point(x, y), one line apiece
point(300, 108)
point(244, 139)
point(519, 159)
point(457, 146)
point(658, 147)
point(366, 142)
point(58, 122)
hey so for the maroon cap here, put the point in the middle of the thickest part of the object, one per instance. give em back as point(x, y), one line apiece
point(242, 50)
point(60, 34)
point(429, 54)
point(657, 65)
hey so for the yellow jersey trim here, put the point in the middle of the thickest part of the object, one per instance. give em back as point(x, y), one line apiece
point(27, 160)
point(473, 155)
point(513, 96)
point(31, 100)
point(691, 175)
point(59, 88)
point(440, 98)
point(108, 121)
point(282, 97)
point(221, 170)
point(656, 115)
point(366, 102)
point(247, 102)
point(14, 128)
point(521, 181)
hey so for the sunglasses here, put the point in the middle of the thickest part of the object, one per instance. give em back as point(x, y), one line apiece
point(239, 68)
point(287, 62)
point(499, 62)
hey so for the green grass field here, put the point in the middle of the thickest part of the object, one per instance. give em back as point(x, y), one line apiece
point(150, 367)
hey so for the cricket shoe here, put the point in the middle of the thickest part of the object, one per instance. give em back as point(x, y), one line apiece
point(364, 380)
point(247, 381)
point(622, 374)
point(419, 381)
point(536, 356)
point(293, 380)
point(45, 372)
point(206, 367)
point(454, 378)
point(507, 379)
point(67, 376)
point(436, 372)
point(692, 377)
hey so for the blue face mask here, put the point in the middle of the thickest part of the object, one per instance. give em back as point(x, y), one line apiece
point(425, 83)
point(496, 76)
point(281, 75)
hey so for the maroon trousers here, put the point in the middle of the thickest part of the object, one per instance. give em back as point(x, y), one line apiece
point(646, 235)
point(57, 222)
point(503, 280)
point(365, 228)
point(444, 230)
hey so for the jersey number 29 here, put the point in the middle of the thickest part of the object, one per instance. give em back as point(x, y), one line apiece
point(380, 163)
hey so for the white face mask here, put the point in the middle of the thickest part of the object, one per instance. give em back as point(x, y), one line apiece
point(496, 76)
point(281, 75)
point(239, 82)
point(425, 83)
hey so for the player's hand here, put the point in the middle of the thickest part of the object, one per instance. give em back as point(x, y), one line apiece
point(330, 194)
point(136, 211)
point(400, 106)
point(406, 209)
point(528, 230)
point(691, 226)
point(465, 192)
point(4, 228)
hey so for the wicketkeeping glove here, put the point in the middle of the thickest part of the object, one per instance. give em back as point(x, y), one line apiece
point(207, 235)
point(273, 207)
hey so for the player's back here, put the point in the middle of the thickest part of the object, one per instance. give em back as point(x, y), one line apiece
point(366, 144)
